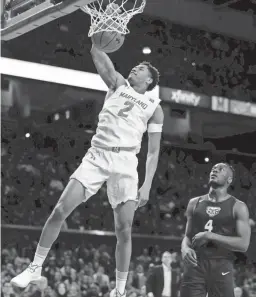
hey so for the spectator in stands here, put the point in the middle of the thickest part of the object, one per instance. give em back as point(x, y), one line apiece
point(66, 270)
point(62, 290)
point(165, 214)
point(239, 292)
point(73, 285)
point(112, 284)
point(143, 291)
point(49, 292)
point(139, 278)
point(101, 278)
point(56, 280)
point(7, 290)
point(144, 258)
point(10, 271)
point(163, 280)
point(82, 285)
point(51, 269)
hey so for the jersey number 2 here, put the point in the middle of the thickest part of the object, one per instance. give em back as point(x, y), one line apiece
point(123, 111)
point(208, 226)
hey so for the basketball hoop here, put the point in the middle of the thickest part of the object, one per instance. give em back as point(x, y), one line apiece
point(114, 16)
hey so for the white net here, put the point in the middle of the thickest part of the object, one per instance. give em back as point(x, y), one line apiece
point(114, 16)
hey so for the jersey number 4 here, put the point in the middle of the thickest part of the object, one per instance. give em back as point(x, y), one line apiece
point(208, 226)
point(123, 112)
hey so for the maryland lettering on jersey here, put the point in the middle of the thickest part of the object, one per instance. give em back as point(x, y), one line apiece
point(134, 100)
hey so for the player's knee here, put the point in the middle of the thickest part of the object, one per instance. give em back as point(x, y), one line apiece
point(59, 213)
point(123, 232)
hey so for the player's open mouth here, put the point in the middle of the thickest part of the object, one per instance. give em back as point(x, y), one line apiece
point(213, 175)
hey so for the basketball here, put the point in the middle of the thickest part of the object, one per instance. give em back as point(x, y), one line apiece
point(108, 42)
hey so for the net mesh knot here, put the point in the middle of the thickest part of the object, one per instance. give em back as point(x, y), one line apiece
point(113, 17)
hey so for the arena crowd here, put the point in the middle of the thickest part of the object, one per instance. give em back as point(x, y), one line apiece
point(87, 270)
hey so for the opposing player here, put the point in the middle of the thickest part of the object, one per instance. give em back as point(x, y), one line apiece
point(127, 113)
point(217, 225)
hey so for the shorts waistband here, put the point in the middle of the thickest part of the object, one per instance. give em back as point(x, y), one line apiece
point(117, 149)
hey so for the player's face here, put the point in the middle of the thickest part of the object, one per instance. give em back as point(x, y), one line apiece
point(220, 175)
point(140, 74)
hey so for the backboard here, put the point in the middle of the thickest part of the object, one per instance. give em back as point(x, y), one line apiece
point(20, 17)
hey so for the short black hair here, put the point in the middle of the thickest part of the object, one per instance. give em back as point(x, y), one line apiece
point(232, 170)
point(154, 73)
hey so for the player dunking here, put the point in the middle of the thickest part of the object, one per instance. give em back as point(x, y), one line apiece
point(127, 113)
point(217, 225)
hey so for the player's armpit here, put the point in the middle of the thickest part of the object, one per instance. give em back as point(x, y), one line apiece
point(240, 242)
point(106, 69)
point(157, 117)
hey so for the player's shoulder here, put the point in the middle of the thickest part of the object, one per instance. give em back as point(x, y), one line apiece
point(195, 200)
point(239, 205)
point(192, 203)
point(158, 115)
point(237, 202)
point(159, 109)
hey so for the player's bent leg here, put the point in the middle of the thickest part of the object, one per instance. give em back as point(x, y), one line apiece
point(123, 215)
point(72, 196)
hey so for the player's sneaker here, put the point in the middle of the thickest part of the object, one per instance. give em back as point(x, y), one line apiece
point(29, 275)
point(116, 293)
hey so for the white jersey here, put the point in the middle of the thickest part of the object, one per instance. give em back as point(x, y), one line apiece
point(124, 118)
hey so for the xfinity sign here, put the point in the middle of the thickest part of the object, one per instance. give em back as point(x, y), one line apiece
point(184, 97)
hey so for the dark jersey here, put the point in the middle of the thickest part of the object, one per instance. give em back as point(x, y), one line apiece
point(214, 217)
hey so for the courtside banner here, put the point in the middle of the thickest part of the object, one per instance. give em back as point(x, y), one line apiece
point(184, 97)
point(220, 104)
point(243, 108)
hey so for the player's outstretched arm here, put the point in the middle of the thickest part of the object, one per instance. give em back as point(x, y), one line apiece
point(188, 254)
point(155, 125)
point(241, 241)
point(106, 69)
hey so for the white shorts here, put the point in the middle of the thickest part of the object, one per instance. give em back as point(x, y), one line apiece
point(119, 170)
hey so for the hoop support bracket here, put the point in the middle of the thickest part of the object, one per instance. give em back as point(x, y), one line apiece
point(37, 16)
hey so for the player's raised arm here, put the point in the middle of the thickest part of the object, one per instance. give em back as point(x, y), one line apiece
point(155, 125)
point(106, 69)
point(240, 242)
point(188, 254)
